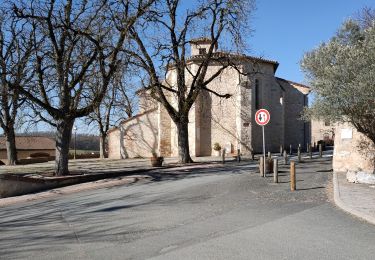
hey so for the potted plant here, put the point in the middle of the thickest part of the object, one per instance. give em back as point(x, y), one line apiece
point(217, 149)
point(156, 161)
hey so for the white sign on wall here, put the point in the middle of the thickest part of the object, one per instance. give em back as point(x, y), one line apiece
point(346, 133)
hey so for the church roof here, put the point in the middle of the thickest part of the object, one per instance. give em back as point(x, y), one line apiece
point(221, 54)
point(201, 40)
point(303, 88)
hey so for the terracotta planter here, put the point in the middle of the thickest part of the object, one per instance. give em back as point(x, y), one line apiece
point(157, 161)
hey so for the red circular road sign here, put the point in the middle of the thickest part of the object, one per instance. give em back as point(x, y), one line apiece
point(262, 117)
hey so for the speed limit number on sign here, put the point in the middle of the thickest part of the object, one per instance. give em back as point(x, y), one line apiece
point(262, 117)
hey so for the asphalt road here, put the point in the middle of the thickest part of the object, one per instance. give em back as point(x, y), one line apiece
point(201, 213)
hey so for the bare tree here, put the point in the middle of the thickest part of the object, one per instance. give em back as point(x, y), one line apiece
point(115, 106)
point(72, 40)
point(167, 51)
point(15, 53)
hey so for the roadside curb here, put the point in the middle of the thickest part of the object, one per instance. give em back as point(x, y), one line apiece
point(341, 204)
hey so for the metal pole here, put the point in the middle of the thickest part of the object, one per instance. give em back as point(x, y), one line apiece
point(264, 153)
point(75, 140)
point(261, 165)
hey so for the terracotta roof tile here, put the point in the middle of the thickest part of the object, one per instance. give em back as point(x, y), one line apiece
point(221, 54)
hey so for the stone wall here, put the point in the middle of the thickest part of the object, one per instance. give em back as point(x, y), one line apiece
point(136, 137)
point(321, 130)
point(352, 151)
point(22, 154)
point(296, 131)
point(224, 111)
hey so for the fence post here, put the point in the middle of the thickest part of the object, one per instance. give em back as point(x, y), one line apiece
point(285, 158)
point(320, 151)
point(261, 166)
point(292, 176)
point(275, 171)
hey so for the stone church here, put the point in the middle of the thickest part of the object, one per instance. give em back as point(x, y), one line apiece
point(229, 122)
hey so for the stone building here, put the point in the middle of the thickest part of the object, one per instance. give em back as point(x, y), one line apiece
point(322, 131)
point(229, 122)
point(353, 153)
point(28, 145)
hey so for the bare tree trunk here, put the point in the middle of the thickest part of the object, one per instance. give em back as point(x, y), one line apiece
point(10, 142)
point(63, 137)
point(183, 141)
point(103, 138)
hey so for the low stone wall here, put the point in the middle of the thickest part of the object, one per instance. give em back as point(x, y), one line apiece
point(353, 154)
point(14, 185)
point(17, 184)
point(353, 151)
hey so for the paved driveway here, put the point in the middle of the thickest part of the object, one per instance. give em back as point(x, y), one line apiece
point(199, 213)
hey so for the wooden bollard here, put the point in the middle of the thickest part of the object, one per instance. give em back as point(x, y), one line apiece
point(292, 176)
point(299, 154)
point(285, 157)
point(261, 166)
point(281, 150)
point(275, 171)
point(223, 156)
point(238, 155)
point(290, 149)
point(320, 151)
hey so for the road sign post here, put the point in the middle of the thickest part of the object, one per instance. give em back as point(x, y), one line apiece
point(262, 118)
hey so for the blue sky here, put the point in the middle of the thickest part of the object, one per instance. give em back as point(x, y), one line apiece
point(286, 29)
